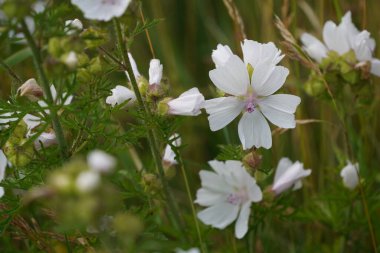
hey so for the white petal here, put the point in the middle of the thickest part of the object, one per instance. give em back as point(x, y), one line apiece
point(241, 225)
point(3, 165)
point(46, 140)
point(31, 121)
point(214, 182)
point(207, 197)
point(254, 131)
point(219, 215)
point(188, 103)
point(335, 38)
point(221, 54)
point(279, 109)
point(222, 111)
point(375, 67)
point(103, 10)
point(313, 47)
point(290, 177)
point(1, 192)
point(169, 155)
point(282, 166)
point(231, 78)
point(134, 67)
point(120, 94)
point(87, 181)
point(255, 52)
point(155, 71)
point(267, 79)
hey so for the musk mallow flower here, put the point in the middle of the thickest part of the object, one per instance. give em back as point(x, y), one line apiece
point(249, 86)
point(288, 175)
point(188, 103)
point(100, 161)
point(120, 94)
point(341, 39)
point(3, 165)
point(228, 193)
point(350, 175)
point(103, 10)
point(169, 156)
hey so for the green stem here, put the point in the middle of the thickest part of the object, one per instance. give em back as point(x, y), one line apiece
point(152, 139)
point(187, 186)
point(37, 60)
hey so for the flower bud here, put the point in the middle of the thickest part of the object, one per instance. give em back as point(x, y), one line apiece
point(87, 181)
point(18, 154)
point(151, 183)
point(60, 181)
point(100, 161)
point(188, 103)
point(31, 90)
point(163, 107)
point(252, 161)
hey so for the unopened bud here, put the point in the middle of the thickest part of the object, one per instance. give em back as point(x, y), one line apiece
point(31, 90)
point(71, 60)
point(151, 183)
point(155, 91)
point(252, 161)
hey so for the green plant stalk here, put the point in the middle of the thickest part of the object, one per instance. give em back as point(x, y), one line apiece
point(37, 60)
point(153, 144)
point(187, 186)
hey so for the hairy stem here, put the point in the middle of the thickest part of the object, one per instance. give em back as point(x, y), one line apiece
point(152, 139)
point(37, 60)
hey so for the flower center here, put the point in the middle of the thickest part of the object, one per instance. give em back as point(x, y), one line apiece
point(237, 198)
point(250, 103)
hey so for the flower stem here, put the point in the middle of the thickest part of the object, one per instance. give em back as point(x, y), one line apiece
point(152, 139)
point(187, 186)
point(37, 60)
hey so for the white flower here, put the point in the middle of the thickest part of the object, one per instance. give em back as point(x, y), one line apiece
point(228, 194)
point(71, 26)
point(155, 71)
point(3, 165)
point(251, 94)
point(192, 250)
point(87, 181)
point(120, 94)
point(100, 161)
point(350, 175)
point(289, 175)
point(188, 103)
point(103, 10)
point(342, 38)
point(169, 155)
point(45, 139)
point(71, 60)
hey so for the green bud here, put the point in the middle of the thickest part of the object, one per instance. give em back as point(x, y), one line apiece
point(94, 38)
point(252, 161)
point(16, 8)
point(83, 75)
point(95, 65)
point(55, 48)
point(143, 85)
point(314, 85)
point(163, 107)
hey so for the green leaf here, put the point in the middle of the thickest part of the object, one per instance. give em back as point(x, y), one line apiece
point(18, 57)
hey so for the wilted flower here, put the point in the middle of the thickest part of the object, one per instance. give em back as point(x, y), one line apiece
point(288, 175)
point(228, 194)
point(249, 86)
point(155, 72)
point(103, 10)
point(188, 103)
point(169, 155)
point(120, 94)
point(3, 165)
point(100, 161)
point(31, 90)
point(350, 175)
point(341, 39)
